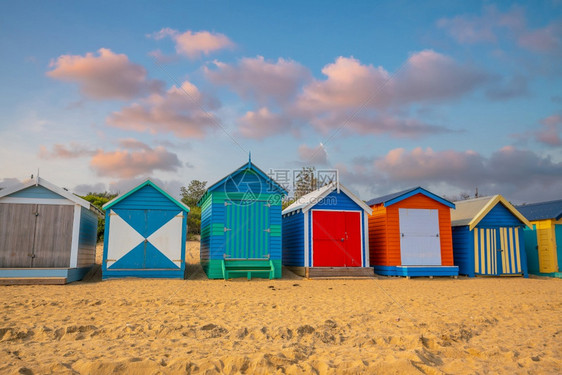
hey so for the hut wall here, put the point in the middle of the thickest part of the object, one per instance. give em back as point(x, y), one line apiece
point(463, 245)
point(378, 236)
point(87, 238)
point(293, 239)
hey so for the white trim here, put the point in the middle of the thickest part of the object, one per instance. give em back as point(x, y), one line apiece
point(75, 236)
point(46, 184)
point(315, 198)
point(367, 262)
point(58, 202)
point(311, 260)
point(306, 240)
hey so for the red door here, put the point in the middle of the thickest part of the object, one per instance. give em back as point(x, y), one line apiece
point(336, 239)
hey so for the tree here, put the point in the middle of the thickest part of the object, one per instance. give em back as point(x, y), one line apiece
point(98, 200)
point(190, 196)
point(306, 182)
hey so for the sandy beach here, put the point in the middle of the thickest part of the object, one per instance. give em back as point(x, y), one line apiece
point(292, 325)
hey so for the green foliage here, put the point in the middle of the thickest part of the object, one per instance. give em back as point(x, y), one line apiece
point(98, 200)
point(190, 196)
point(286, 203)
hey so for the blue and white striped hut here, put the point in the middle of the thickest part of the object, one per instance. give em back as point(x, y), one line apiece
point(47, 234)
point(325, 233)
point(488, 237)
point(145, 233)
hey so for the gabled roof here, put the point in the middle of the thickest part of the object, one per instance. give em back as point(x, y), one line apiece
point(247, 166)
point(307, 201)
point(390, 199)
point(470, 212)
point(542, 210)
point(39, 181)
point(119, 198)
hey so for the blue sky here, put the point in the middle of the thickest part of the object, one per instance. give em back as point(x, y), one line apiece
point(443, 94)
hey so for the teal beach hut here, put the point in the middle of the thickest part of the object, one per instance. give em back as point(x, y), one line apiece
point(241, 225)
point(543, 239)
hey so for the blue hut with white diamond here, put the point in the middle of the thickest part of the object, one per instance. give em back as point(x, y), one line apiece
point(145, 232)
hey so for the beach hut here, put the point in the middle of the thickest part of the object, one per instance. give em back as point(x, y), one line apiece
point(47, 234)
point(543, 240)
point(325, 233)
point(410, 234)
point(145, 231)
point(241, 225)
point(488, 237)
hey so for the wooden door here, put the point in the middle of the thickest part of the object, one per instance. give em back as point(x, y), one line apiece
point(546, 244)
point(487, 253)
point(353, 239)
point(420, 244)
point(17, 228)
point(510, 252)
point(328, 236)
point(246, 230)
point(53, 236)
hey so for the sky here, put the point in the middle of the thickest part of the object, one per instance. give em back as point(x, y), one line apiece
point(453, 96)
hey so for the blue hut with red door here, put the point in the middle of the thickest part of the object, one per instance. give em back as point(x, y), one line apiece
point(325, 233)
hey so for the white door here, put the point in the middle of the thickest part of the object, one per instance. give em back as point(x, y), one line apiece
point(420, 244)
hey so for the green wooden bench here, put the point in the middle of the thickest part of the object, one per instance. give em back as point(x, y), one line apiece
point(247, 266)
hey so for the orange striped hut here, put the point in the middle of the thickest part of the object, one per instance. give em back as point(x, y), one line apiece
point(410, 234)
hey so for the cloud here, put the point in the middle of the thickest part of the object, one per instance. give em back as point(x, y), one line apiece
point(124, 185)
point(184, 111)
point(105, 76)
point(426, 76)
point(84, 189)
point(544, 40)
point(195, 44)
point(515, 87)
point(550, 131)
point(262, 124)
point(378, 123)
point(313, 155)
point(492, 23)
point(518, 174)
point(128, 164)
point(7, 182)
point(60, 151)
point(260, 80)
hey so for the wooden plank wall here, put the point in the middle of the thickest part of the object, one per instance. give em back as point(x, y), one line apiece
point(378, 251)
point(53, 236)
point(17, 223)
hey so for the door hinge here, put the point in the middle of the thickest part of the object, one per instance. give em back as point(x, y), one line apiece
point(227, 204)
point(226, 229)
point(267, 204)
point(268, 230)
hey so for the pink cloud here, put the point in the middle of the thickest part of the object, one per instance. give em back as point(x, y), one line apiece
point(377, 123)
point(260, 80)
point(313, 155)
point(550, 131)
point(60, 151)
point(105, 76)
point(427, 75)
point(182, 110)
point(129, 164)
point(195, 44)
point(545, 40)
point(487, 27)
point(262, 124)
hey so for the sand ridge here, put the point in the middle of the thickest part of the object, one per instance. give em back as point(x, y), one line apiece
point(292, 325)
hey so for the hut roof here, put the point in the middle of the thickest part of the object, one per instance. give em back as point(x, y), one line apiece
point(40, 181)
point(119, 198)
point(390, 199)
point(542, 210)
point(309, 200)
point(247, 166)
point(470, 212)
